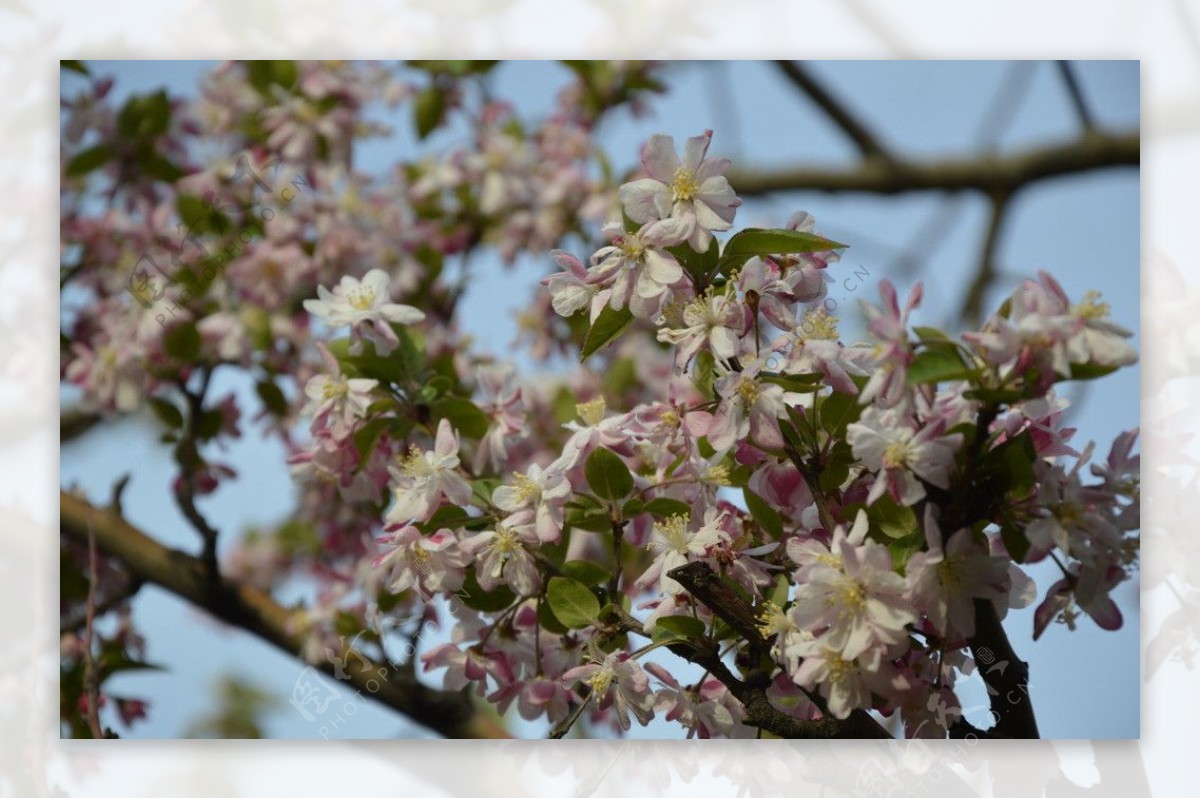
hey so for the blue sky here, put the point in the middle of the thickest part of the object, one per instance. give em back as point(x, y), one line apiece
point(1084, 230)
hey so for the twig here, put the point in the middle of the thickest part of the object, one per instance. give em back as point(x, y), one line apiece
point(91, 681)
point(866, 142)
point(972, 308)
point(1071, 82)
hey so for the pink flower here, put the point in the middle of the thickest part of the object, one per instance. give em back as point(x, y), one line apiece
point(847, 682)
point(501, 555)
point(887, 444)
point(748, 406)
point(542, 491)
point(431, 564)
point(424, 478)
point(331, 394)
point(714, 322)
point(945, 581)
point(693, 190)
point(364, 307)
point(893, 355)
point(852, 592)
point(678, 545)
point(572, 288)
point(637, 268)
point(616, 680)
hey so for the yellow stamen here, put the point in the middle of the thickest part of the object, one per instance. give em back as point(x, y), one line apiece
point(592, 413)
point(1091, 307)
point(684, 185)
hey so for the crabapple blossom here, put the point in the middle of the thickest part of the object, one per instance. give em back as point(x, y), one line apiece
point(617, 680)
point(363, 305)
point(424, 477)
point(889, 445)
point(693, 190)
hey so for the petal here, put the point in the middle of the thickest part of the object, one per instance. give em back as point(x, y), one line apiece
point(659, 159)
point(645, 200)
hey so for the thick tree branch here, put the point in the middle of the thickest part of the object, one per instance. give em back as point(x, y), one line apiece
point(800, 77)
point(448, 713)
point(991, 174)
point(1005, 674)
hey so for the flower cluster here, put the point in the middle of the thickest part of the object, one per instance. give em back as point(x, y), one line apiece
point(735, 493)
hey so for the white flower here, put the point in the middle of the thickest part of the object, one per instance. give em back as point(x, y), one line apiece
point(853, 591)
point(638, 269)
point(693, 190)
point(677, 545)
point(542, 491)
point(886, 443)
point(431, 564)
point(945, 580)
point(501, 557)
point(332, 394)
point(364, 306)
point(423, 478)
point(616, 679)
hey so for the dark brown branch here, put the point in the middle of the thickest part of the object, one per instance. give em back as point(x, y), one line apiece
point(700, 581)
point(1005, 675)
point(800, 77)
point(1075, 92)
point(448, 713)
point(991, 174)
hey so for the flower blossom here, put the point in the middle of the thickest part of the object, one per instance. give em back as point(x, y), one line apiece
point(693, 190)
point(365, 308)
point(425, 477)
point(616, 680)
point(887, 444)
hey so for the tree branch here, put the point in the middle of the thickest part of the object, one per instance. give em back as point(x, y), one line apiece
point(700, 581)
point(972, 308)
point(448, 713)
point(992, 174)
point(1005, 675)
point(800, 77)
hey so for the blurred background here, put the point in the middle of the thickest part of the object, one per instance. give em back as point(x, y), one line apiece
point(1081, 227)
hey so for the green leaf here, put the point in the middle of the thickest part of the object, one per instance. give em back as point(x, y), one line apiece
point(145, 116)
point(272, 397)
point(936, 364)
point(572, 602)
point(837, 411)
point(182, 342)
point(74, 66)
point(893, 520)
point(767, 517)
point(463, 414)
point(704, 373)
point(549, 621)
point(836, 468)
point(665, 506)
point(753, 242)
point(585, 572)
point(473, 596)
point(263, 74)
point(609, 324)
point(428, 109)
point(1090, 371)
point(801, 384)
point(607, 474)
point(1015, 541)
point(167, 413)
point(90, 159)
point(685, 627)
point(367, 436)
point(198, 216)
point(160, 168)
point(592, 521)
point(930, 334)
point(700, 266)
